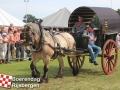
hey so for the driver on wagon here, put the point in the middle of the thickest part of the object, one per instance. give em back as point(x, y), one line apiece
point(79, 27)
point(92, 48)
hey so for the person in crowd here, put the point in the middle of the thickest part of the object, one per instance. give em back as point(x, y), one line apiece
point(51, 31)
point(56, 30)
point(3, 47)
point(2, 30)
point(92, 48)
point(118, 40)
point(11, 28)
point(0, 33)
point(19, 47)
point(5, 42)
point(10, 46)
point(79, 27)
point(13, 38)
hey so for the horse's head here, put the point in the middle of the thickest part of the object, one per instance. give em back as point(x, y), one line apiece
point(27, 34)
point(30, 34)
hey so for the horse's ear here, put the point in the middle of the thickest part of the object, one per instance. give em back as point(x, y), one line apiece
point(40, 21)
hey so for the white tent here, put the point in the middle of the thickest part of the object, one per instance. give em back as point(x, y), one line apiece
point(6, 19)
point(57, 19)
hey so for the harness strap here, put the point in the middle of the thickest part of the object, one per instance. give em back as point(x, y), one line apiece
point(56, 43)
point(41, 38)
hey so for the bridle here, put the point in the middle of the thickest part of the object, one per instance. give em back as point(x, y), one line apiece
point(29, 33)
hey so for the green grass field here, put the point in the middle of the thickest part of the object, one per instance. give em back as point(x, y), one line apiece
point(90, 77)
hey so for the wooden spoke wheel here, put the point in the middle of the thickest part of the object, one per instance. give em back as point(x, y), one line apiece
point(109, 57)
point(79, 62)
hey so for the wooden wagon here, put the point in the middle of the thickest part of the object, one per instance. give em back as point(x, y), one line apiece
point(109, 27)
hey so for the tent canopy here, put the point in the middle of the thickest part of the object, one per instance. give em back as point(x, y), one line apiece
point(57, 19)
point(6, 19)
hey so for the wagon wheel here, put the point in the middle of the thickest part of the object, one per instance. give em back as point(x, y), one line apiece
point(80, 61)
point(109, 57)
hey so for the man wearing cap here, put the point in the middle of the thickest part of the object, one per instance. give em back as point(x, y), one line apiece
point(92, 48)
point(79, 27)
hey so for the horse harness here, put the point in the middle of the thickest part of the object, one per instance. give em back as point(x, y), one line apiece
point(56, 48)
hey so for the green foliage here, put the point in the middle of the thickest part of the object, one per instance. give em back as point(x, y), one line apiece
point(30, 18)
point(95, 21)
point(118, 11)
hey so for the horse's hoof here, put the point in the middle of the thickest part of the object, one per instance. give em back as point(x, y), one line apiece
point(75, 74)
point(43, 80)
point(59, 76)
point(35, 75)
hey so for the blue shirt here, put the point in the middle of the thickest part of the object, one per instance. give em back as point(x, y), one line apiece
point(90, 41)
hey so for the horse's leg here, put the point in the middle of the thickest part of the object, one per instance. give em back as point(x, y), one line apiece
point(46, 66)
point(35, 73)
point(75, 66)
point(61, 65)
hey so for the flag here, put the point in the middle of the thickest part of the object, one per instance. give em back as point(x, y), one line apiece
point(5, 80)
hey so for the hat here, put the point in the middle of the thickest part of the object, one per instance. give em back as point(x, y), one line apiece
point(91, 25)
point(5, 34)
point(95, 29)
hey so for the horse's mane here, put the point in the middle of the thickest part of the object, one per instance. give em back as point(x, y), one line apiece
point(37, 29)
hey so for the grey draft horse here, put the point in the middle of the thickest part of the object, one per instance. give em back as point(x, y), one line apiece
point(42, 46)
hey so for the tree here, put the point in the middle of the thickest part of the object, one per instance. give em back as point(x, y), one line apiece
point(95, 21)
point(30, 18)
point(118, 11)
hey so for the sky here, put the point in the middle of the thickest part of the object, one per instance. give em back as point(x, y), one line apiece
point(43, 8)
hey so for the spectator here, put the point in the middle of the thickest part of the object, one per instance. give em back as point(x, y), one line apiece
point(13, 38)
point(79, 27)
point(11, 27)
point(0, 36)
point(3, 47)
point(19, 47)
point(10, 45)
point(118, 40)
point(51, 31)
point(2, 30)
point(57, 30)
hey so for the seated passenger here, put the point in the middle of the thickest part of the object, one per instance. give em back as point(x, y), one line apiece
point(79, 27)
point(92, 48)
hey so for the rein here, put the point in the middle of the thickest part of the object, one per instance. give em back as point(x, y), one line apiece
point(39, 47)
